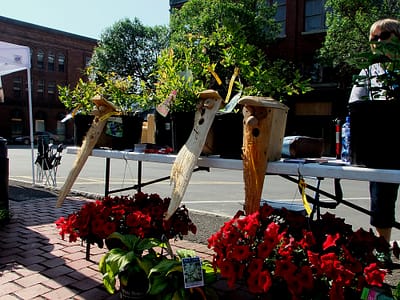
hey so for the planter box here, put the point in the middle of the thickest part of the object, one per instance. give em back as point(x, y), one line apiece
point(120, 133)
point(373, 133)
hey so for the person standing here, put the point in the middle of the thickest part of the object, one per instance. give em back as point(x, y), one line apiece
point(383, 195)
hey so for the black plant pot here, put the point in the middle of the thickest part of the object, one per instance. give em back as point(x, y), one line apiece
point(373, 133)
point(228, 135)
point(174, 129)
point(120, 133)
point(136, 288)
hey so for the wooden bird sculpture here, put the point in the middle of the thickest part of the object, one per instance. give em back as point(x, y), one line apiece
point(104, 110)
point(182, 169)
point(261, 115)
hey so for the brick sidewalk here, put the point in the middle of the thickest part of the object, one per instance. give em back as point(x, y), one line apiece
point(35, 263)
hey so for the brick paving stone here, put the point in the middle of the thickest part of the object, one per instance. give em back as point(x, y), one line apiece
point(31, 252)
point(32, 291)
point(73, 249)
point(9, 297)
point(61, 294)
point(8, 277)
point(98, 294)
point(24, 271)
point(52, 261)
point(85, 284)
point(55, 283)
point(8, 288)
point(26, 261)
point(57, 271)
point(31, 280)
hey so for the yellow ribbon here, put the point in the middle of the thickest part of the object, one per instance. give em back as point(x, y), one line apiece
point(219, 81)
point(233, 78)
point(75, 111)
point(107, 115)
point(302, 185)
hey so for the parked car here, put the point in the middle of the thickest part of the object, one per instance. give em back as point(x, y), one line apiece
point(49, 137)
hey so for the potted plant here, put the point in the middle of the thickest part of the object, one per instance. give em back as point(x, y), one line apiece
point(144, 270)
point(168, 281)
point(276, 253)
point(141, 214)
point(124, 128)
point(129, 259)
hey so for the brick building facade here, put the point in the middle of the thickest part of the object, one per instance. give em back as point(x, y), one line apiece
point(57, 58)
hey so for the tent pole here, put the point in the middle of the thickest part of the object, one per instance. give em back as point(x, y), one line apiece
point(28, 70)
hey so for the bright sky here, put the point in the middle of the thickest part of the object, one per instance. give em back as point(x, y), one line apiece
point(86, 17)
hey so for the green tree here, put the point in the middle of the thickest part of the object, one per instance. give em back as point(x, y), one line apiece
point(128, 48)
point(120, 69)
point(348, 23)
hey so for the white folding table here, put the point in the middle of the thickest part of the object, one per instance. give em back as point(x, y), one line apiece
point(289, 169)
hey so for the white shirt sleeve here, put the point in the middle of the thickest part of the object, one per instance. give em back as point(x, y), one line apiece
point(360, 91)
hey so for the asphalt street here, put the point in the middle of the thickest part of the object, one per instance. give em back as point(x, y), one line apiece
point(219, 192)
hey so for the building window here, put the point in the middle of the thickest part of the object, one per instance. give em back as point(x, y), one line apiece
point(40, 87)
point(61, 62)
point(50, 62)
point(87, 61)
point(40, 59)
point(17, 117)
point(314, 19)
point(17, 86)
point(280, 16)
point(51, 88)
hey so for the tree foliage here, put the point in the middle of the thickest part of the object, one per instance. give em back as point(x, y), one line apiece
point(210, 40)
point(120, 68)
point(252, 19)
point(128, 48)
point(348, 23)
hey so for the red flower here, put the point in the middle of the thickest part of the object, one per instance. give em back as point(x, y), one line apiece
point(315, 259)
point(141, 214)
point(330, 241)
point(241, 252)
point(374, 275)
point(264, 280)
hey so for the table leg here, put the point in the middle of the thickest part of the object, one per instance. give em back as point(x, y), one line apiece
point(107, 178)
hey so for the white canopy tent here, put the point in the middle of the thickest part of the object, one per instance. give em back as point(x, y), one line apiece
point(14, 58)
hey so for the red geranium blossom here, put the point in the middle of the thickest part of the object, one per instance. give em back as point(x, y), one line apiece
point(279, 250)
point(142, 215)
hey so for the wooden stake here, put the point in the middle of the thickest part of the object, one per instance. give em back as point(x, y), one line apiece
point(104, 110)
point(188, 155)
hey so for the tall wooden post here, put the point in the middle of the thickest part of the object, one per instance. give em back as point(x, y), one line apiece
point(264, 126)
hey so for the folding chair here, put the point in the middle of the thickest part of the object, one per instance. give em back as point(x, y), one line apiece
point(47, 161)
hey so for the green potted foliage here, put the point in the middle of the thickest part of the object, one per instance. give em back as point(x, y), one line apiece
point(167, 279)
point(123, 130)
point(220, 45)
point(129, 259)
point(144, 271)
